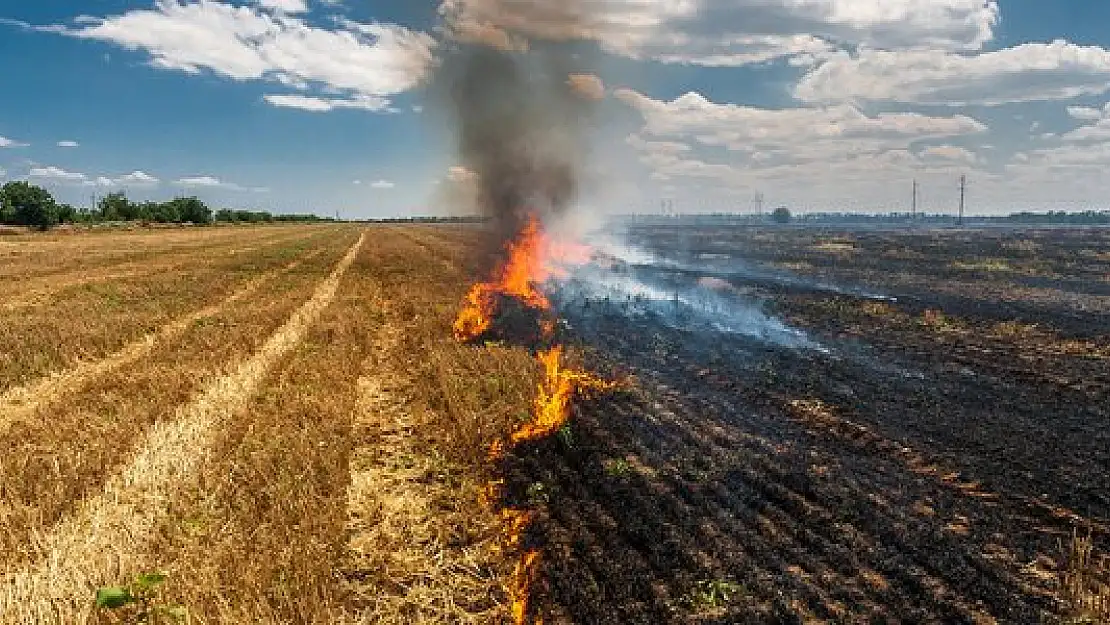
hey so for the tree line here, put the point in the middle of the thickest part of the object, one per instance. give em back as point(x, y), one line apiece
point(24, 204)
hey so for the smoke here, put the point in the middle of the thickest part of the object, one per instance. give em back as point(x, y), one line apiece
point(520, 113)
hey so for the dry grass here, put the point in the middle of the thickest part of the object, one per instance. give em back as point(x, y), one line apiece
point(53, 254)
point(27, 292)
point(23, 402)
point(94, 320)
point(425, 548)
point(331, 473)
point(105, 534)
point(52, 463)
point(1085, 580)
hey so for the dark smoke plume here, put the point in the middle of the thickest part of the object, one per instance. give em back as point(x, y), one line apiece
point(520, 123)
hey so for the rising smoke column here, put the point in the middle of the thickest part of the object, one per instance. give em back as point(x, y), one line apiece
point(520, 112)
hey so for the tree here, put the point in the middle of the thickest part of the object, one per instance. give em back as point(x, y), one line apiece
point(781, 215)
point(114, 207)
point(67, 214)
point(191, 209)
point(164, 212)
point(29, 205)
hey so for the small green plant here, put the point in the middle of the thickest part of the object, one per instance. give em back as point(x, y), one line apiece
point(566, 437)
point(140, 602)
point(538, 494)
point(617, 467)
point(713, 594)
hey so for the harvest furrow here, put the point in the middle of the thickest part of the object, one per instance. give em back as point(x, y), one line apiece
point(25, 401)
point(97, 541)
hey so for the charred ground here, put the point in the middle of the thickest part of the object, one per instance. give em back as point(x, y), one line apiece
point(927, 467)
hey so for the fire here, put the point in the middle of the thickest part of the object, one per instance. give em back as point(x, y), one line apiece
point(551, 408)
point(532, 259)
point(519, 277)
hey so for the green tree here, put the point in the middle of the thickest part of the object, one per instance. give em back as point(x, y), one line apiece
point(66, 214)
point(781, 215)
point(29, 205)
point(114, 207)
point(164, 212)
point(192, 210)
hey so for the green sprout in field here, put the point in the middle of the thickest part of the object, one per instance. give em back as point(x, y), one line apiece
point(140, 602)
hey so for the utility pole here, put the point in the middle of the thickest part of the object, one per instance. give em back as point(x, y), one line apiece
point(913, 207)
point(759, 204)
point(963, 195)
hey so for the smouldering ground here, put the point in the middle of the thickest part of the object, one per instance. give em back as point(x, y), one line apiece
point(930, 465)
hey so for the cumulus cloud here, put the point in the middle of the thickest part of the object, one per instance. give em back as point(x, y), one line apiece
point(827, 157)
point(715, 33)
point(382, 185)
point(770, 136)
point(68, 144)
point(212, 182)
point(56, 173)
point(60, 175)
point(363, 63)
point(1085, 113)
point(285, 6)
point(1029, 72)
point(11, 143)
point(137, 178)
point(1096, 132)
point(376, 104)
point(949, 153)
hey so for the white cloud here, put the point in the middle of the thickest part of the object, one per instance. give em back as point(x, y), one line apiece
point(950, 153)
point(321, 105)
point(1084, 113)
point(1096, 132)
point(59, 175)
point(1024, 73)
point(3, 172)
point(286, 6)
point(137, 178)
point(11, 143)
point(382, 184)
point(68, 144)
point(200, 181)
point(831, 158)
point(212, 182)
point(712, 32)
point(775, 136)
point(357, 182)
point(56, 173)
point(361, 62)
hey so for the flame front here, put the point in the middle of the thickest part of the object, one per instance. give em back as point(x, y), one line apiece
point(520, 276)
point(532, 259)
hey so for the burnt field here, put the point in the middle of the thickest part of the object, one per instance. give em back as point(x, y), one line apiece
point(827, 426)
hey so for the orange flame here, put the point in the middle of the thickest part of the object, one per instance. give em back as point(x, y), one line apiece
point(519, 277)
point(532, 260)
point(551, 408)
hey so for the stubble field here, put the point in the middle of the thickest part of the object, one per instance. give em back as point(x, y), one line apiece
point(279, 420)
point(276, 418)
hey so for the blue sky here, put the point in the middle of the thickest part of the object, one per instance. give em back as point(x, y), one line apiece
point(295, 105)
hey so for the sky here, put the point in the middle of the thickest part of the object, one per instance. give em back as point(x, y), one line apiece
point(325, 106)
